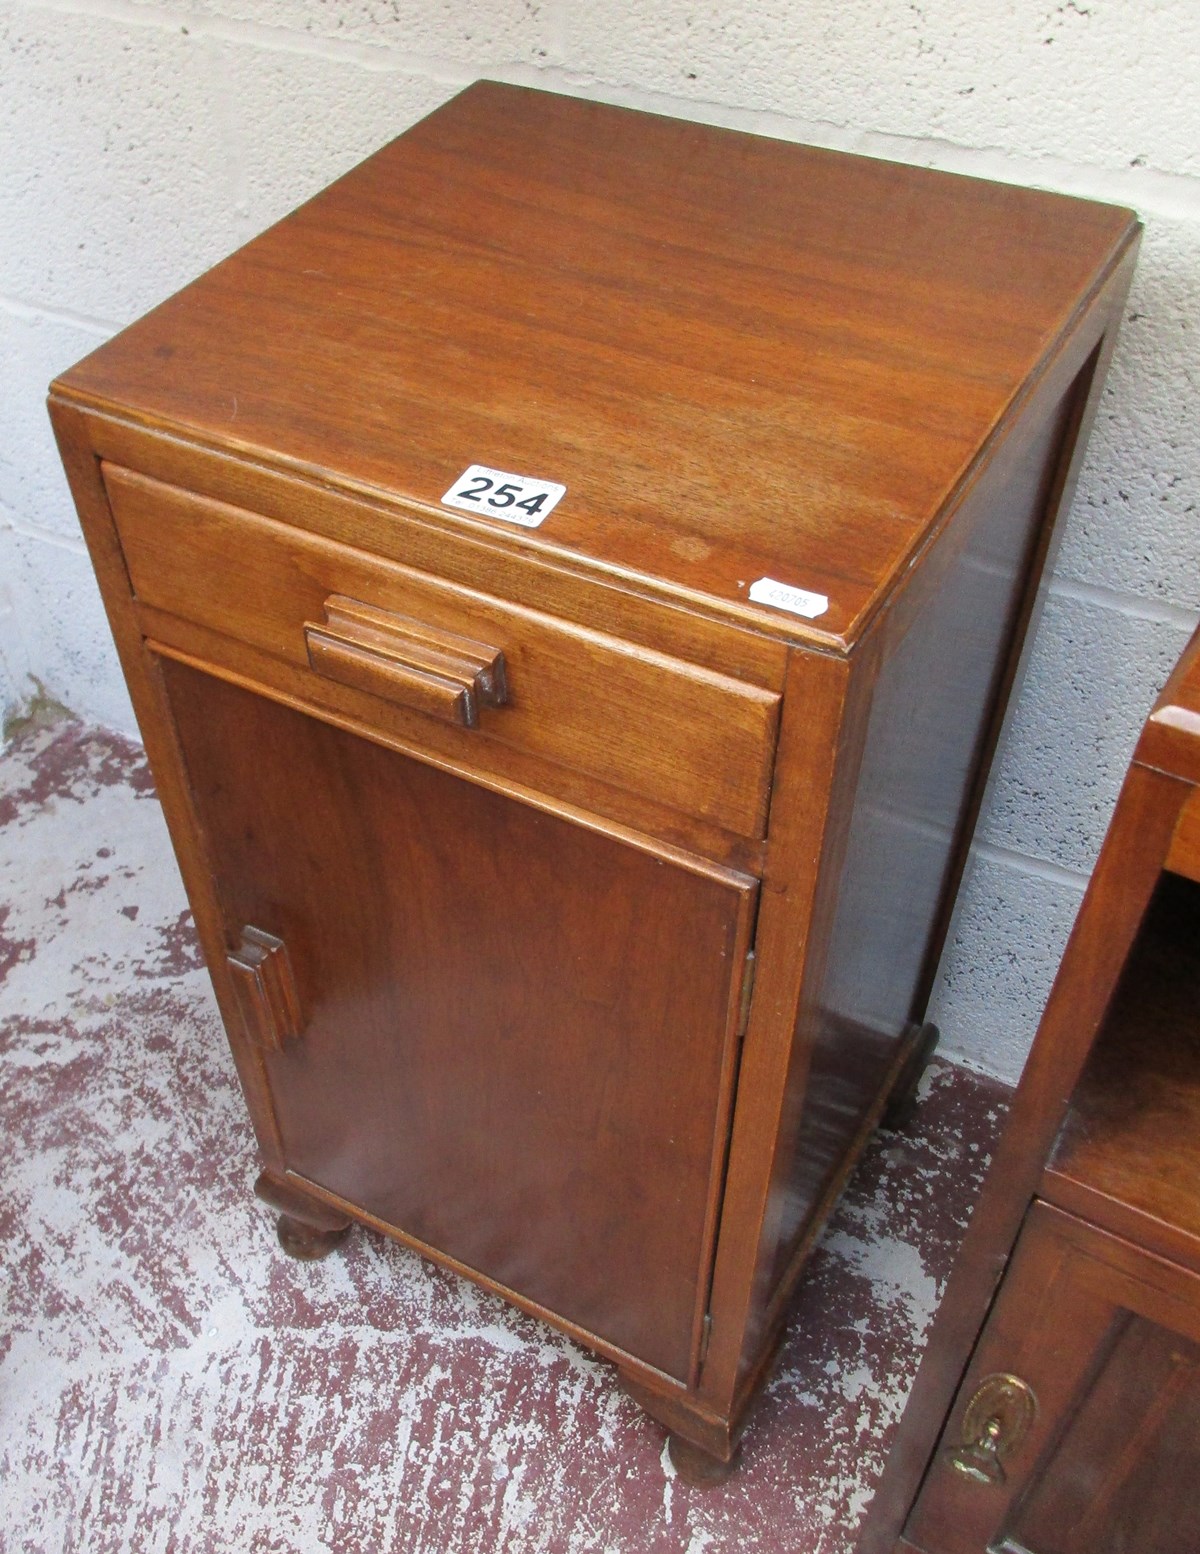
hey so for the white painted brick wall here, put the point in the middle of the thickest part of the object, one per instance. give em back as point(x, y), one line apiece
point(140, 141)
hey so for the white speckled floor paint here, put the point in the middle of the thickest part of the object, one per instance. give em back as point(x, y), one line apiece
point(170, 1382)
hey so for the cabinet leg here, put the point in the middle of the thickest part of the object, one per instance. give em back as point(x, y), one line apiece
point(902, 1104)
point(704, 1446)
point(307, 1228)
point(697, 1467)
point(306, 1242)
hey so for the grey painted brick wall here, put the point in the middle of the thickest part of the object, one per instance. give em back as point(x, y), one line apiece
point(141, 141)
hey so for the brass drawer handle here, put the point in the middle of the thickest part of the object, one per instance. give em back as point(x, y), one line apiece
point(403, 660)
point(996, 1421)
point(266, 989)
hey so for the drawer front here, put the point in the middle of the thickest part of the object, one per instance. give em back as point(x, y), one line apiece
point(694, 740)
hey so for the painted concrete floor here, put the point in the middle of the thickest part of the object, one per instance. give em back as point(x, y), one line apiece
point(170, 1382)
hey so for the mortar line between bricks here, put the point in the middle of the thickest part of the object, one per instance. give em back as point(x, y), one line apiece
point(229, 130)
point(1150, 190)
point(29, 531)
point(18, 308)
point(380, 57)
point(949, 1052)
point(1132, 606)
point(558, 28)
point(1039, 868)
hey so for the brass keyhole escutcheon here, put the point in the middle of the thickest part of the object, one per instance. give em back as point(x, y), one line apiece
point(996, 1421)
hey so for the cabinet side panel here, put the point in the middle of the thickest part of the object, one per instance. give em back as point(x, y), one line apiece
point(936, 695)
point(74, 432)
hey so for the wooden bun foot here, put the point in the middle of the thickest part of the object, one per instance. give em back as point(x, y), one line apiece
point(307, 1228)
point(306, 1242)
point(697, 1467)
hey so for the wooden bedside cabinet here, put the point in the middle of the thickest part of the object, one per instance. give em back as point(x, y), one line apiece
point(1057, 1409)
point(569, 575)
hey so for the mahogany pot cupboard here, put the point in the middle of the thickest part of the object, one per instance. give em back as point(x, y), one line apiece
point(569, 575)
point(1057, 1410)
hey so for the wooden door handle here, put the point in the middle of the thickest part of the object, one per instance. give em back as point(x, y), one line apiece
point(403, 660)
point(266, 989)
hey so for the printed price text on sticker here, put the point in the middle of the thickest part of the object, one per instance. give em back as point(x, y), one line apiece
point(799, 601)
point(499, 494)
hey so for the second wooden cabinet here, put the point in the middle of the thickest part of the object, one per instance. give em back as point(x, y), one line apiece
point(1057, 1409)
point(573, 889)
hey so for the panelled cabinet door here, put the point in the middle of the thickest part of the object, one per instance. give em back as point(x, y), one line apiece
point(1077, 1429)
point(509, 1036)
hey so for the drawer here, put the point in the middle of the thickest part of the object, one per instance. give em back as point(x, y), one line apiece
point(496, 673)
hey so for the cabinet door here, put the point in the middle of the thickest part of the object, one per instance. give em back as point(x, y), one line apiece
point(515, 1034)
point(1106, 1338)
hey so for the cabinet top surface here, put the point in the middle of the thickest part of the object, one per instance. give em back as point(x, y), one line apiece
point(1170, 740)
point(743, 358)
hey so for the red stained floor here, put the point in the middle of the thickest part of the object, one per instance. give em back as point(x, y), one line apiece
point(169, 1381)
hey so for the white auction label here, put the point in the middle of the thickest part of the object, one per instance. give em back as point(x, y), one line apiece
point(498, 494)
point(784, 597)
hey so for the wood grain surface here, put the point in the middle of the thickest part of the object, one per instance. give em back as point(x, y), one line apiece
point(767, 361)
point(1100, 1146)
point(528, 1077)
point(1108, 1338)
point(698, 741)
point(1128, 1154)
point(517, 802)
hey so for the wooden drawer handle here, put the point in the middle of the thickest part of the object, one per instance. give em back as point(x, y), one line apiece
point(401, 659)
point(266, 990)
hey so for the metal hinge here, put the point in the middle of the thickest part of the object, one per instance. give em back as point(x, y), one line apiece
point(705, 1336)
point(747, 994)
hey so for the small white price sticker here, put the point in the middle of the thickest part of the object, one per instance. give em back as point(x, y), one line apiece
point(784, 597)
point(498, 494)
